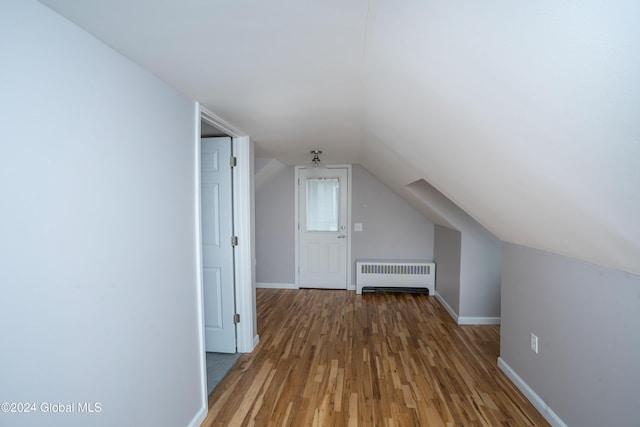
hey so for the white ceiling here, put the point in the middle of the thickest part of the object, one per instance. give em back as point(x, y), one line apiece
point(525, 114)
point(286, 72)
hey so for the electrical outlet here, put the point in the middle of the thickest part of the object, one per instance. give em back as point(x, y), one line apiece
point(534, 343)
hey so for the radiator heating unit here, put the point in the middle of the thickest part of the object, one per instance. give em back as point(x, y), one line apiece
point(411, 276)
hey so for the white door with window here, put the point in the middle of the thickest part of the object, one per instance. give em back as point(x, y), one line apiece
point(322, 228)
point(217, 251)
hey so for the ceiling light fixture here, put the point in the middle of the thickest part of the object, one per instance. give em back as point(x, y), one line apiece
point(315, 162)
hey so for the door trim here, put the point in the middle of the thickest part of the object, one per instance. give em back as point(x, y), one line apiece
point(244, 220)
point(199, 273)
point(350, 284)
point(215, 121)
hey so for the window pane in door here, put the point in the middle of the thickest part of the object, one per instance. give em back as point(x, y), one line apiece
point(323, 204)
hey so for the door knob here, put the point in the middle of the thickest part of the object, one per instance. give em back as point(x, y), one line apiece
point(342, 236)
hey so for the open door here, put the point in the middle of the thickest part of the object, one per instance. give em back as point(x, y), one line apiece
point(217, 249)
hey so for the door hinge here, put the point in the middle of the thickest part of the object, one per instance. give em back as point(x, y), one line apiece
point(236, 318)
point(233, 160)
point(234, 241)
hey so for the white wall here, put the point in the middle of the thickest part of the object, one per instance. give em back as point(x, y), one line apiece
point(97, 255)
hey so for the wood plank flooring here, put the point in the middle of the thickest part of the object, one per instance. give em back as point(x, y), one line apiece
point(334, 358)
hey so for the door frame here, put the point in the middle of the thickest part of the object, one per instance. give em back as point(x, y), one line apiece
point(243, 219)
point(350, 285)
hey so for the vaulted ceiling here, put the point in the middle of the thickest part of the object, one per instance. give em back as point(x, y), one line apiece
point(524, 114)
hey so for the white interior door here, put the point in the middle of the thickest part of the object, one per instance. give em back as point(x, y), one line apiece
point(322, 234)
point(217, 251)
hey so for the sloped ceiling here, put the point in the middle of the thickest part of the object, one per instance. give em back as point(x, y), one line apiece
point(524, 114)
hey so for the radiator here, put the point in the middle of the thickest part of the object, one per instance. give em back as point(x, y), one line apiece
point(419, 276)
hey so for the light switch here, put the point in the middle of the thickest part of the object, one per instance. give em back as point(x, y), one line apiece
point(357, 226)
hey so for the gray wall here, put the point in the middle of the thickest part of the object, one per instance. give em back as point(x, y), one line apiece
point(98, 278)
point(392, 229)
point(447, 250)
point(481, 265)
point(275, 233)
point(587, 319)
point(476, 294)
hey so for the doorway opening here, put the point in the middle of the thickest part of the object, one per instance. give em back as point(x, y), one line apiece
point(216, 201)
point(322, 227)
point(242, 308)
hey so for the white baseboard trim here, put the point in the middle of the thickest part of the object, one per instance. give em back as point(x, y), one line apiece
point(447, 307)
point(265, 285)
point(200, 416)
point(531, 395)
point(462, 320)
point(256, 340)
point(478, 320)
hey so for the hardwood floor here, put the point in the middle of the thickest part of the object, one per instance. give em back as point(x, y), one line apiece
point(334, 358)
